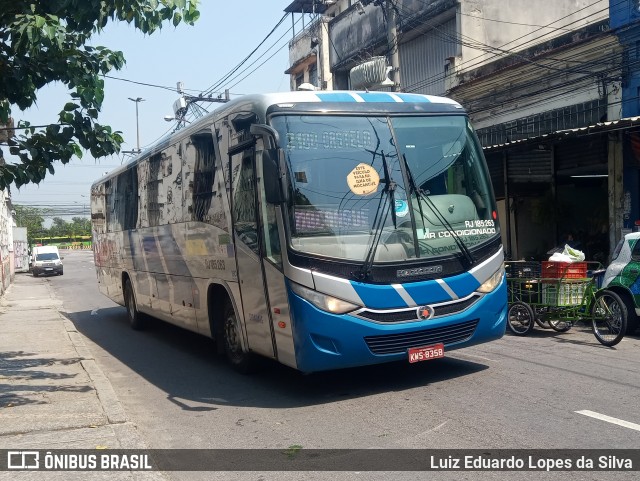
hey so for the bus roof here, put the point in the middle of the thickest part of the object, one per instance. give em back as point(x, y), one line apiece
point(326, 100)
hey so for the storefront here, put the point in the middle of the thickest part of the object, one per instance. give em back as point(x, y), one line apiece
point(579, 184)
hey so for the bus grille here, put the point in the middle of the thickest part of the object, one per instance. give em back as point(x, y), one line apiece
point(396, 343)
point(411, 314)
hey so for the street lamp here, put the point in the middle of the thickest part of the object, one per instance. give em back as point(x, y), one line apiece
point(137, 101)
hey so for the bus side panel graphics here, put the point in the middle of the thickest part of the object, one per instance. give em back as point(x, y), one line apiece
point(209, 252)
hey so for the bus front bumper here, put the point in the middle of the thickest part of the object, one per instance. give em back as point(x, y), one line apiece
point(326, 341)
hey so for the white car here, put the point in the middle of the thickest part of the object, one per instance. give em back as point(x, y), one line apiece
point(46, 260)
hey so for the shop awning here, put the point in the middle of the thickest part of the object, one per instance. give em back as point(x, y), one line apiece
point(599, 128)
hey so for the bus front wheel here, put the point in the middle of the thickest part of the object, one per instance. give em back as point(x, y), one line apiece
point(133, 315)
point(242, 361)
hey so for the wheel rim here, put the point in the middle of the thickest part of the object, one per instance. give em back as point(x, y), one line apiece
point(607, 318)
point(519, 319)
point(232, 338)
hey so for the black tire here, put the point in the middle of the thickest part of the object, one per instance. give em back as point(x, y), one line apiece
point(35, 274)
point(608, 318)
point(560, 325)
point(241, 360)
point(136, 319)
point(542, 322)
point(520, 318)
point(632, 317)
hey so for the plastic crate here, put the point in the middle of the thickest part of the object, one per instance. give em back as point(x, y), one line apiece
point(563, 294)
point(522, 269)
point(564, 270)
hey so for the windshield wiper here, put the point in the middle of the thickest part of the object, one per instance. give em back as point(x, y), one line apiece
point(421, 195)
point(378, 223)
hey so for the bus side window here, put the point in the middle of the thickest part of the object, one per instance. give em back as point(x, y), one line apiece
point(204, 177)
point(244, 202)
point(270, 224)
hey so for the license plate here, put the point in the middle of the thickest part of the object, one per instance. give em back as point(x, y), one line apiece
point(48, 268)
point(426, 353)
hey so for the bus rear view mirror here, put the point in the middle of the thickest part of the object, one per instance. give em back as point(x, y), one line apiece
point(271, 177)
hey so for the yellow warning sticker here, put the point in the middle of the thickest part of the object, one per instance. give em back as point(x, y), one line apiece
point(363, 180)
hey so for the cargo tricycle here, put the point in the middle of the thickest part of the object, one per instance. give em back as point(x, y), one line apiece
point(556, 295)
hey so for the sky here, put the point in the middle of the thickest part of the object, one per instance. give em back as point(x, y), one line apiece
point(198, 56)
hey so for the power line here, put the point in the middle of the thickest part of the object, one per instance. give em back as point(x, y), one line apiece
point(146, 84)
point(273, 55)
point(218, 83)
point(269, 58)
point(497, 51)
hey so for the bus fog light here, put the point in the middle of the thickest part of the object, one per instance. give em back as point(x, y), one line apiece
point(493, 281)
point(323, 301)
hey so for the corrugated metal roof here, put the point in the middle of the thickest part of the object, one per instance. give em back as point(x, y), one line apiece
point(600, 127)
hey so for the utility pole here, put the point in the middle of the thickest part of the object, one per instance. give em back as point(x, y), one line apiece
point(392, 41)
point(137, 101)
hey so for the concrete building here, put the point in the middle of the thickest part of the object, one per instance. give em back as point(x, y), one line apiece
point(309, 49)
point(7, 262)
point(625, 24)
point(542, 81)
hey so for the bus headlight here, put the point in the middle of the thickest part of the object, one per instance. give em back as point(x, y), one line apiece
point(323, 301)
point(493, 281)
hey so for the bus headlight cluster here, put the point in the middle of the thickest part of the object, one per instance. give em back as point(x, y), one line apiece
point(323, 301)
point(493, 281)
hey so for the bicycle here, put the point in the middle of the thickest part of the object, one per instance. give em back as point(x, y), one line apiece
point(559, 295)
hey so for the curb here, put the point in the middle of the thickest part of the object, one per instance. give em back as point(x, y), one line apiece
point(106, 395)
point(104, 390)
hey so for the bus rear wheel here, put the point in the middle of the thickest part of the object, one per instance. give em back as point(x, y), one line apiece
point(242, 361)
point(135, 318)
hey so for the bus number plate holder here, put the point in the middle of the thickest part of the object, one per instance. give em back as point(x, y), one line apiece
point(426, 353)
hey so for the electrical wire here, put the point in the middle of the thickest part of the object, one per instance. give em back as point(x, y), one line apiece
point(497, 51)
point(146, 84)
point(261, 64)
point(236, 75)
point(221, 81)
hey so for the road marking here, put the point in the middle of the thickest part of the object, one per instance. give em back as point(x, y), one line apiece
point(466, 354)
point(609, 419)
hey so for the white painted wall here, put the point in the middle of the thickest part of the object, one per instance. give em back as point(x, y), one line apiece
point(520, 24)
point(6, 242)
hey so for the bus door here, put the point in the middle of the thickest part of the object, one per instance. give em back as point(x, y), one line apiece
point(249, 247)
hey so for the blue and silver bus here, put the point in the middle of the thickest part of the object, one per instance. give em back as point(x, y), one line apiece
point(324, 230)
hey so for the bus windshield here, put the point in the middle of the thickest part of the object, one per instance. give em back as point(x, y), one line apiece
point(392, 187)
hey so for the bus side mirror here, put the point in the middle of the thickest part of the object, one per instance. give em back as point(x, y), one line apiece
point(271, 177)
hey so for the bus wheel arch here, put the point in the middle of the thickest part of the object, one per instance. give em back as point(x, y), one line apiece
point(226, 330)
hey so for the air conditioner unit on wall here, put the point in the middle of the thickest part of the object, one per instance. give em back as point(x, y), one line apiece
point(371, 74)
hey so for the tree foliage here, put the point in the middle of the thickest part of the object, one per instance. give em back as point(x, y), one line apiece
point(31, 218)
point(78, 226)
point(45, 41)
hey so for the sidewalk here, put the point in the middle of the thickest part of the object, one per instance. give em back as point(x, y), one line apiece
point(53, 395)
